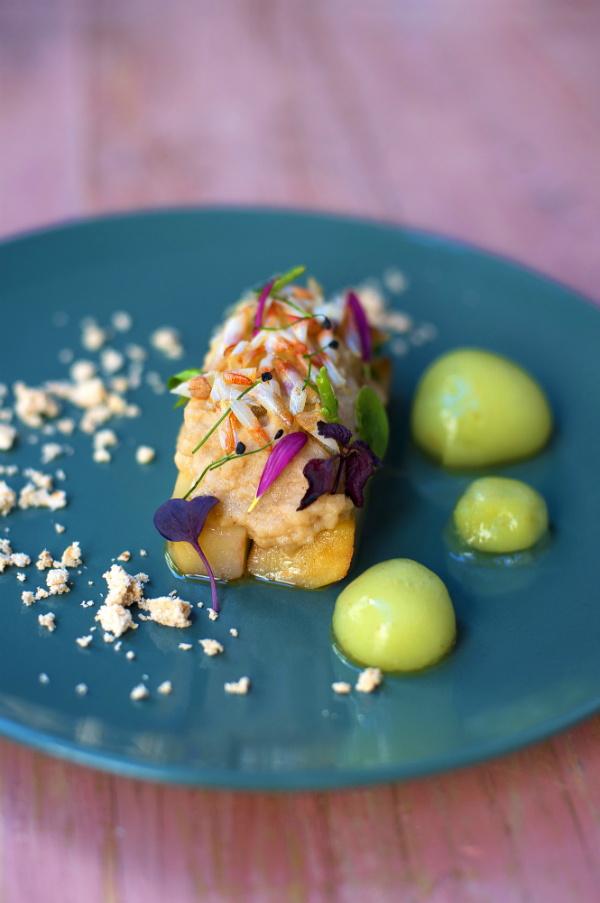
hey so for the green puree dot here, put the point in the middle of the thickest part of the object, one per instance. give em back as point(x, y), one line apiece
point(475, 409)
point(499, 515)
point(396, 616)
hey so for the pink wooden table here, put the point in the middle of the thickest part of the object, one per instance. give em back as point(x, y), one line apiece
point(479, 118)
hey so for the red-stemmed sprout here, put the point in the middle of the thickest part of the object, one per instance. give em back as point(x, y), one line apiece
point(286, 449)
point(324, 474)
point(262, 300)
point(181, 521)
point(362, 326)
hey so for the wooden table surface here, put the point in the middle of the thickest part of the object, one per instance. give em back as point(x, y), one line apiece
point(478, 118)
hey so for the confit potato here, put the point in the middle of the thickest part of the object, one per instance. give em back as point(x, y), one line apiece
point(473, 409)
point(397, 616)
point(500, 515)
point(326, 560)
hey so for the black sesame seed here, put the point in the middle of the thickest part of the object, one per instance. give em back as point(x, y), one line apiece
point(266, 377)
point(326, 323)
point(334, 344)
point(278, 434)
point(240, 448)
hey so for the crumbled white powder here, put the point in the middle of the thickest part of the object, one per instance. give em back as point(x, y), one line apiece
point(8, 435)
point(65, 426)
point(84, 641)
point(92, 338)
point(20, 559)
point(37, 493)
point(57, 581)
point(41, 594)
point(71, 557)
point(186, 646)
point(143, 553)
point(44, 561)
point(27, 598)
point(81, 371)
point(212, 614)
point(133, 410)
point(6, 415)
point(239, 687)
point(105, 439)
point(88, 394)
point(136, 353)
point(59, 528)
point(10, 470)
point(123, 589)
point(118, 646)
point(60, 474)
point(87, 604)
point(115, 619)
point(340, 686)
point(8, 498)
point(51, 451)
point(167, 341)
point(120, 384)
point(165, 688)
point(130, 655)
point(233, 631)
point(81, 689)
point(167, 611)
point(21, 577)
point(139, 692)
point(102, 456)
point(33, 404)
point(111, 360)
point(48, 621)
point(211, 647)
point(124, 556)
point(43, 678)
point(107, 637)
point(121, 321)
point(94, 418)
point(145, 454)
point(368, 680)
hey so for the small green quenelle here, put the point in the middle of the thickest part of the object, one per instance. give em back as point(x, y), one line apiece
point(396, 616)
point(474, 409)
point(499, 515)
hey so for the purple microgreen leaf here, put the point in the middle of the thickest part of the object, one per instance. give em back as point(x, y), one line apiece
point(362, 325)
point(262, 300)
point(181, 521)
point(320, 473)
point(367, 450)
point(335, 431)
point(286, 449)
point(359, 467)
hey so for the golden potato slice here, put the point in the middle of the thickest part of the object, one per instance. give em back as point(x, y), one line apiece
point(226, 548)
point(326, 560)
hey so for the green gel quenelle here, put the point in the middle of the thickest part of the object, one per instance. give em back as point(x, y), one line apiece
point(396, 616)
point(498, 515)
point(473, 408)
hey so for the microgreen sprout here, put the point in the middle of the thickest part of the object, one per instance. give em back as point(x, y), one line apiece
point(329, 403)
point(240, 452)
point(333, 344)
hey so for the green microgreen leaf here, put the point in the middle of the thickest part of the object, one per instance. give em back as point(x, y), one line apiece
point(329, 402)
point(182, 377)
point(288, 277)
point(182, 400)
point(373, 423)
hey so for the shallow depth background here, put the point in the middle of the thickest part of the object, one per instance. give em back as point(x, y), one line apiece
point(479, 118)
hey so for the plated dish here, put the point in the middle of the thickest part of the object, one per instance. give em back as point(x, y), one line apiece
point(524, 665)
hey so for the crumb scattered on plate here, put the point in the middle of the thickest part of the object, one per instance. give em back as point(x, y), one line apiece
point(145, 454)
point(139, 692)
point(48, 621)
point(368, 680)
point(239, 687)
point(211, 647)
point(340, 686)
point(165, 688)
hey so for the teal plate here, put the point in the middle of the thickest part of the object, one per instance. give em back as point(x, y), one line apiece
point(527, 662)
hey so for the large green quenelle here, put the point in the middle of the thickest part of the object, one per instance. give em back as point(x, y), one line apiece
point(473, 408)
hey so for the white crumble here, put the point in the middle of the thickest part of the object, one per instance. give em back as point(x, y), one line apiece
point(167, 611)
point(59, 528)
point(44, 560)
point(239, 687)
point(200, 605)
point(84, 641)
point(119, 384)
point(102, 456)
point(111, 360)
point(133, 410)
point(8, 434)
point(212, 614)
point(8, 498)
point(21, 577)
point(71, 557)
point(43, 678)
point(81, 371)
point(186, 646)
point(118, 646)
point(48, 429)
point(115, 619)
point(87, 604)
point(211, 647)
point(130, 655)
point(124, 556)
point(167, 341)
point(233, 631)
point(51, 451)
point(33, 404)
point(92, 338)
point(165, 688)
point(81, 689)
point(20, 559)
point(145, 454)
point(121, 321)
point(139, 692)
point(27, 598)
point(48, 621)
point(143, 553)
point(173, 593)
point(90, 582)
point(136, 353)
point(60, 474)
point(368, 680)
point(107, 637)
point(41, 594)
point(123, 589)
point(341, 687)
point(57, 581)
point(66, 426)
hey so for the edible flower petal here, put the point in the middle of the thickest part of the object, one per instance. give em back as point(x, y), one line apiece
point(262, 300)
point(181, 521)
point(320, 473)
point(362, 325)
point(286, 449)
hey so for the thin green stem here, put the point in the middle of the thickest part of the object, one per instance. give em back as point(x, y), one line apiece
point(220, 461)
point(223, 416)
